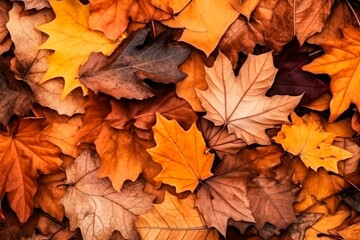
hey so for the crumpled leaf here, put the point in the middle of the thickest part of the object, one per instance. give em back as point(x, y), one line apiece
point(271, 202)
point(72, 41)
point(123, 156)
point(290, 79)
point(228, 98)
point(193, 67)
point(23, 154)
point(102, 209)
point(108, 17)
point(121, 74)
point(341, 62)
point(174, 219)
point(140, 116)
point(308, 139)
point(181, 154)
point(37, 4)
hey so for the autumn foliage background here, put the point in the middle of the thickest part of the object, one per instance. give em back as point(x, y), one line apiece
point(186, 119)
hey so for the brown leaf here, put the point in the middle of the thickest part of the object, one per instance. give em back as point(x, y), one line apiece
point(121, 74)
point(271, 202)
point(4, 18)
point(241, 36)
point(30, 63)
point(102, 209)
point(37, 4)
point(108, 17)
point(139, 116)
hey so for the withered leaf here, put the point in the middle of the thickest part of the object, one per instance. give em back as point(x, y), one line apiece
point(121, 74)
point(102, 209)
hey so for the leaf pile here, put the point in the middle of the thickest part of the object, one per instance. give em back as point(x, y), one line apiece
point(189, 119)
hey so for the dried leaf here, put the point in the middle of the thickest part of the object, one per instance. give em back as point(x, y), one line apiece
point(228, 98)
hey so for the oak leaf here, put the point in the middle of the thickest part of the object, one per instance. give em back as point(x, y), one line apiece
point(72, 41)
point(228, 98)
point(308, 139)
point(193, 67)
point(123, 156)
point(290, 79)
point(121, 74)
point(23, 154)
point(112, 17)
point(271, 202)
point(181, 154)
point(341, 62)
point(102, 209)
point(30, 63)
point(174, 219)
point(140, 116)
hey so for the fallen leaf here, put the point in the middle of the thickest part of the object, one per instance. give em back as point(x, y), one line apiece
point(51, 229)
point(318, 187)
point(123, 156)
point(219, 139)
point(140, 116)
point(308, 139)
point(193, 67)
point(72, 41)
point(321, 103)
point(121, 74)
point(247, 7)
point(355, 122)
point(30, 63)
point(112, 17)
point(23, 154)
point(12, 101)
point(181, 154)
point(339, 18)
point(36, 4)
point(204, 22)
point(341, 62)
point(271, 202)
point(51, 188)
point(241, 36)
point(228, 98)
point(102, 209)
point(351, 232)
point(290, 79)
point(326, 223)
point(349, 165)
point(174, 219)
point(341, 128)
point(4, 18)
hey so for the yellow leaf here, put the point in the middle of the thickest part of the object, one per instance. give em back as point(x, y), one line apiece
point(72, 41)
point(181, 154)
point(307, 138)
point(174, 219)
point(351, 232)
point(342, 63)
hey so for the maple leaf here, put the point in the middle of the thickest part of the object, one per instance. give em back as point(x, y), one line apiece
point(123, 156)
point(290, 79)
point(308, 139)
point(72, 41)
point(110, 18)
point(102, 209)
point(271, 202)
point(174, 219)
point(181, 154)
point(204, 22)
point(22, 154)
point(228, 98)
point(341, 62)
point(140, 116)
point(30, 63)
point(120, 74)
point(193, 67)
